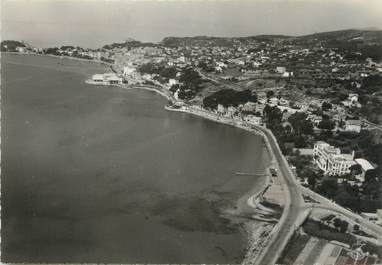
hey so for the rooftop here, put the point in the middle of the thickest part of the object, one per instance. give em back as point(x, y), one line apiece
point(366, 165)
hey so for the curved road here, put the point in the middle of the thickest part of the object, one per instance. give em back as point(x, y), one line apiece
point(292, 215)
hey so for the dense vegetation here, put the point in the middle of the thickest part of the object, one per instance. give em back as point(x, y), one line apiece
point(129, 45)
point(10, 45)
point(59, 51)
point(162, 70)
point(229, 97)
point(190, 84)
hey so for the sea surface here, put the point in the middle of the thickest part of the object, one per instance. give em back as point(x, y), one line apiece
point(105, 174)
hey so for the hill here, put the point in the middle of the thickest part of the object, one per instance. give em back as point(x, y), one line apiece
point(365, 37)
point(11, 45)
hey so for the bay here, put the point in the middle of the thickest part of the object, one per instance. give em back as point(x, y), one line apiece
point(105, 174)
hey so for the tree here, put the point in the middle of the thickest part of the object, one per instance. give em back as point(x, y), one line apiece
point(326, 106)
point(328, 187)
point(300, 123)
point(312, 181)
point(337, 222)
point(270, 93)
point(273, 116)
point(344, 226)
point(229, 97)
point(326, 124)
point(190, 78)
point(174, 88)
point(356, 169)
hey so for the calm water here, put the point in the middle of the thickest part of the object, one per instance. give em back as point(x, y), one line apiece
point(102, 174)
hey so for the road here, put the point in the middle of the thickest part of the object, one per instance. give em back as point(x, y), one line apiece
point(292, 215)
point(372, 125)
point(328, 205)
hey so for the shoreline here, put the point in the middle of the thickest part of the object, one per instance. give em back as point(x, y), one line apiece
point(247, 199)
point(106, 64)
point(255, 226)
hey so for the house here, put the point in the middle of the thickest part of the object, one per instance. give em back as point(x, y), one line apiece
point(253, 120)
point(353, 98)
point(249, 107)
point(280, 69)
point(287, 74)
point(316, 119)
point(218, 69)
point(221, 109)
point(330, 159)
point(304, 151)
point(221, 65)
point(172, 82)
point(373, 217)
point(273, 101)
point(353, 126)
point(128, 70)
point(231, 111)
point(20, 49)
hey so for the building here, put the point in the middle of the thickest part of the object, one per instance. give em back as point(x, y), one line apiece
point(329, 159)
point(128, 70)
point(280, 69)
point(20, 49)
point(365, 166)
point(221, 109)
point(353, 126)
point(106, 79)
point(304, 151)
point(374, 217)
point(253, 120)
point(231, 111)
point(249, 107)
point(172, 82)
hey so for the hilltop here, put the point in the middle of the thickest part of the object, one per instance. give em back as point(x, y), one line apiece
point(369, 37)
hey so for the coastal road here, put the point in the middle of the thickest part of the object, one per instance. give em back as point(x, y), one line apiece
point(292, 216)
point(372, 125)
point(330, 206)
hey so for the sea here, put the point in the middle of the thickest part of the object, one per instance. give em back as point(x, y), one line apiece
point(104, 174)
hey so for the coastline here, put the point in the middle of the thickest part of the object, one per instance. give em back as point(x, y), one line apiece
point(106, 64)
point(260, 225)
point(258, 229)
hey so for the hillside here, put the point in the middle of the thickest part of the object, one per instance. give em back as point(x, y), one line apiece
point(365, 37)
point(11, 45)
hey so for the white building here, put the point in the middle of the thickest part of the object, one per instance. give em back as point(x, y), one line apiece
point(172, 82)
point(280, 69)
point(249, 107)
point(221, 109)
point(20, 49)
point(273, 101)
point(353, 126)
point(329, 159)
point(221, 65)
point(106, 79)
point(374, 217)
point(353, 97)
point(128, 70)
point(253, 120)
point(287, 74)
point(231, 111)
point(365, 166)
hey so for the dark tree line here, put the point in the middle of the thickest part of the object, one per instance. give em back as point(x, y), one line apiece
point(229, 97)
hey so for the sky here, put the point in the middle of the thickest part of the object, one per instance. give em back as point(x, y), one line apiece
point(93, 23)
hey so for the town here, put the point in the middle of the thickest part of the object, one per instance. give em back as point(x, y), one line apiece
point(320, 95)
